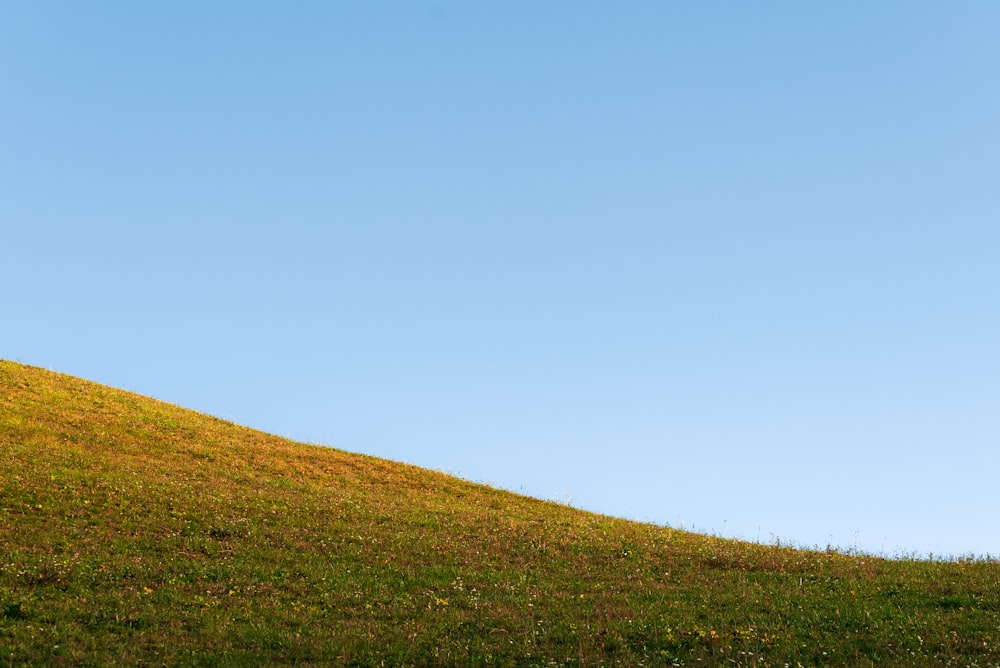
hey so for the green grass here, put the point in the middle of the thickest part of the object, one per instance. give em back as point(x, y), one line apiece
point(136, 532)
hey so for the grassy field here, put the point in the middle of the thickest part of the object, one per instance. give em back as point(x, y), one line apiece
point(137, 532)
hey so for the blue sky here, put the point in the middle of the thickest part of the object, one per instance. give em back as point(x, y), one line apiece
point(727, 266)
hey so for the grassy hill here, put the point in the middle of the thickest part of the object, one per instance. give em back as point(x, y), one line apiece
point(137, 532)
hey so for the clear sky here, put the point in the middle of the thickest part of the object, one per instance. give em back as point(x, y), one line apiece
point(729, 266)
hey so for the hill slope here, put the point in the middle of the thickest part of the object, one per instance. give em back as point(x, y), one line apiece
point(133, 531)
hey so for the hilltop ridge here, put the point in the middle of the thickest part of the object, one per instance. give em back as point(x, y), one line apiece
point(134, 531)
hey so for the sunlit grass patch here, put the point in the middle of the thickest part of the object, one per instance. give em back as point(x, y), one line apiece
point(133, 531)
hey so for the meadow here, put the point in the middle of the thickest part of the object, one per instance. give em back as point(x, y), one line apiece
point(140, 533)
